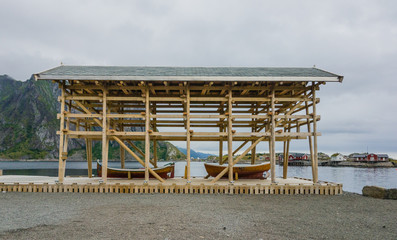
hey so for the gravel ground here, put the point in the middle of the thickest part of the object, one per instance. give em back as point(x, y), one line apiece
point(172, 216)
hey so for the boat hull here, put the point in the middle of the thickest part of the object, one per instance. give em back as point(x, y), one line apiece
point(245, 171)
point(164, 172)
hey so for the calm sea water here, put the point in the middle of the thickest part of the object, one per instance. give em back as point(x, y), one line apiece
point(353, 179)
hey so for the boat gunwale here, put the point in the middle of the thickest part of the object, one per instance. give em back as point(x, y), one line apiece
point(137, 170)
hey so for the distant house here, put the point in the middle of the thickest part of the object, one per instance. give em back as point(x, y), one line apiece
point(338, 157)
point(371, 157)
point(294, 157)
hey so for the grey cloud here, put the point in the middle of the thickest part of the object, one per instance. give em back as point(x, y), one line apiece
point(355, 39)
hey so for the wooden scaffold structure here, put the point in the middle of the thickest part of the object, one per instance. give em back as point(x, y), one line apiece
point(219, 104)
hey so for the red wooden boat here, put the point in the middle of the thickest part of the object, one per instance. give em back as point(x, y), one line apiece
point(165, 172)
point(246, 171)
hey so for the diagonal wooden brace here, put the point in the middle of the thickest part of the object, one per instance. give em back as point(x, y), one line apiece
point(237, 159)
point(137, 158)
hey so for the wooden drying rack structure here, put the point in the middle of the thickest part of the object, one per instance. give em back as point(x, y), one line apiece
point(247, 109)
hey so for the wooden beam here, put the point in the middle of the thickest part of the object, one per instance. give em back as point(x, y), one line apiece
point(136, 148)
point(138, 158)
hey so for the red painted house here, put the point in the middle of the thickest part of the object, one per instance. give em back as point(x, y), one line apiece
point(370, 157)
point(295, 157)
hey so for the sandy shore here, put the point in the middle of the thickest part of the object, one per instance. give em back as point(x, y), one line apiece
point(172, 216)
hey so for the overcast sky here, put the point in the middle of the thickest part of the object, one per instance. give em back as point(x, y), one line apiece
point(356, 39)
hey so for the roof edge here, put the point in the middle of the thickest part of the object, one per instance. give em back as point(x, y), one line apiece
point(188, 78)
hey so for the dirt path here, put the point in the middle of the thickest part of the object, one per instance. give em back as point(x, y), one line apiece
point(155, 216)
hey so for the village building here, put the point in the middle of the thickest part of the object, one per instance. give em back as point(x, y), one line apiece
point(295, 157)
point(338, 157)
point(370, 157)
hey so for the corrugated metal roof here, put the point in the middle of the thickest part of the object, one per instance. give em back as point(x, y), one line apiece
point(187, 73)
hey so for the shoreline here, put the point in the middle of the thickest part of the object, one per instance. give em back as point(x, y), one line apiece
point(389, 164)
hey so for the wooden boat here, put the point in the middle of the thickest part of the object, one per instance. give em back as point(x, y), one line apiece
point(246, 171)
point(165, 172)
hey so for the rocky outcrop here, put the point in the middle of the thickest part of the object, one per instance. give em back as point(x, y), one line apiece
point(379, 192)
point(28, 124)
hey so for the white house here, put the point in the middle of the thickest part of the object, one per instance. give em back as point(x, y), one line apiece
point(338, 157)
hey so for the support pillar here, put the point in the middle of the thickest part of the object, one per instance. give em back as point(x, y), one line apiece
point(105, 143)
point(147, 136)
point(61, 136)
point(230, 137)
point(154, 140)
point(315, 155)
point(253, 151)
point(273, 141)
point(286, 154)
point(221, 146)
point(88, 146)
point(122, 157)
point(188, 134)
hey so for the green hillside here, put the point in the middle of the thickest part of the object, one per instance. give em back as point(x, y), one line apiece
point(28, 124)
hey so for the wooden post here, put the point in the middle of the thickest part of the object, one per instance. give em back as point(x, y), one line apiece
point(188, 133)
point(230, 136)
point(61, 136)
point(66, 140)
point(221, 147)
point(122, 150)
point(310, 138)
point(154, 140)
point(122, 157)
point(147, 137)
point(105, 144)
point(155, 153)
point(88, 145)
point(253, 151)
point(273, 141)
point(315, 157)
point(286, 155)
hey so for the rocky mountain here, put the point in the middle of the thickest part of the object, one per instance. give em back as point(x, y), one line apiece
point(195, 154)
point(28, 124)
